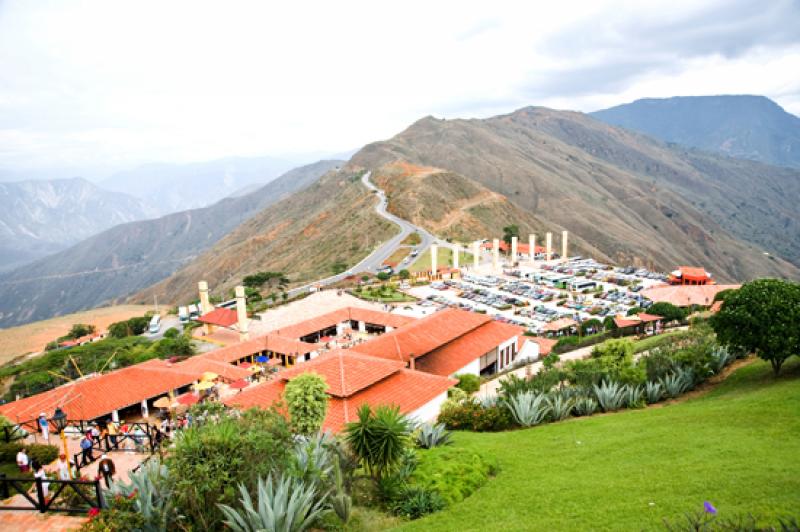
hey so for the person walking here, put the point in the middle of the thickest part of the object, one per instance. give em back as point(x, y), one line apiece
point(86, 448)
point(63, 467)
point(138, 439)
point(23, 461)
point(44, 427)
point(39, 472)
point(113, 432)
point(107, 469)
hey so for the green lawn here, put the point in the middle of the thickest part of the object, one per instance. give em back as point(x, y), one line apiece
point(738, 447)
point(444, 257)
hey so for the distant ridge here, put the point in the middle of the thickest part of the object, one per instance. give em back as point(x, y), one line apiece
point(744, 126)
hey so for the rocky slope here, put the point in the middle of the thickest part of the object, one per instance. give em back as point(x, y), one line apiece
point(633, 198)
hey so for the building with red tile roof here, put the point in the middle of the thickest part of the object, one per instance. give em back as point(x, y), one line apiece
point(270, 345)
point(638, 323)
point(220, 317)
point(332, 323)
point(353, 380)
point(688, 275)
point(545, 345)
point(451, 339)
point(559, 325)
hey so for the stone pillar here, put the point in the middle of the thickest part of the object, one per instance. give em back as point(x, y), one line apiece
point(513, 250)
point(362, 327)
point(205, 304)
point(145, 411)
point(241, 314)
point(115, 416)
point(564, 246)
point(434, 257)
point(549, 246)
point(476, 254)
point(532, 248)
point(456, 253)
point(495, 254)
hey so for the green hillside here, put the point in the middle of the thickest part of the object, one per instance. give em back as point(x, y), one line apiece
point(736, 447)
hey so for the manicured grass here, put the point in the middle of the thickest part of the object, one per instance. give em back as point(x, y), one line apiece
point(444, 257)
point(737, 447)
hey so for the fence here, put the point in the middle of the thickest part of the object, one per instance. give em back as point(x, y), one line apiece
point(144, 438)
point(87, 493)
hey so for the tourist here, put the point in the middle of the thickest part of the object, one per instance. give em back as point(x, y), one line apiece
point(39, 472)
point(44, 427)
point(138, 439)
point(189, 419)
point(63, 467)
point(86, 448)
point(106, 468)
point(23, 461)
point(113, 432)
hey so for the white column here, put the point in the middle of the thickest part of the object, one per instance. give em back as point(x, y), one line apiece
point(495, 254)
point(115, 416)
point(564, 246)
point(513, 249)
point(549, 246)
point(476, 254)
point(241, 314)
point(205, 305)
point(532, 248)
point(145, 411)
point(434, 257)
point(362, 327)
point(456, 253)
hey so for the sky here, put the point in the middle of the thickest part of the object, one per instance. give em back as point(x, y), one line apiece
point(94, 87)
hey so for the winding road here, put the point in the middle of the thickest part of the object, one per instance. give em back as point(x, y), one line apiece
point(373, 262)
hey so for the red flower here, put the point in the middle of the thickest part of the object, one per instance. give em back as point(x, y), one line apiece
point(93, 511)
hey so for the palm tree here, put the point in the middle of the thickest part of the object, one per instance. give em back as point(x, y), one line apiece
point(379, 439)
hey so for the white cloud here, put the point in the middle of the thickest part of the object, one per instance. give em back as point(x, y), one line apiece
point(110, 84)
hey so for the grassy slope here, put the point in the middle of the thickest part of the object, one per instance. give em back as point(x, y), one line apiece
point(444, 257)
point(736, 446)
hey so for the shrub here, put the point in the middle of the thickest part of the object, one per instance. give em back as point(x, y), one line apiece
point(722, 357)
point(659, 362)
point(468, 382)
point(8, 451)
point(528, 409)
point(674, 385)
point(415, 502)
point(44, 454)
point(284, 504)
point(471, 415)
point(610, 396)
point(620, 348)
point(306, 402)
point(452, 472)
point(151, 494)
point(430, 436)
point(668, 311)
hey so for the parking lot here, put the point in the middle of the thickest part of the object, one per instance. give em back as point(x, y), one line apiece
point(533, 297)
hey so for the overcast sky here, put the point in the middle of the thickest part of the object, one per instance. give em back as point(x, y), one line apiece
point(106, 85)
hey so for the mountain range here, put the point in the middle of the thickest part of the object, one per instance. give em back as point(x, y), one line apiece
point(625, 197)
point(128, 257)
point(41, 217)
point(747, 127)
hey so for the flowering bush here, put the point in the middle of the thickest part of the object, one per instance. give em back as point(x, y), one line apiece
point(470, 415)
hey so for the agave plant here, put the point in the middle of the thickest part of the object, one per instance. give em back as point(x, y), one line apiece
point(610, 396)
point(313, 459)
point(340, 501)
point(688, 377)
point(674, 384)
point(152, 497)
point(487, 401)
point(528, 408)
point(585, 406)
point(653, 391)
point(430, 435)
point(633, 396)
point(722, 357)
point(560, 407)
point(285, 504)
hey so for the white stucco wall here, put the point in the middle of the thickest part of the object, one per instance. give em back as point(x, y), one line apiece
point(430, 410)
point(530, 351)
point(473, 367)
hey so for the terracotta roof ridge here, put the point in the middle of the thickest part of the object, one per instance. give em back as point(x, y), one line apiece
point(341, 373)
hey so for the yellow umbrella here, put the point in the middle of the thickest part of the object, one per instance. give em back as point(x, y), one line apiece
point(204, 385)
point(209, 376)
point(163, 402)
point(254, 368)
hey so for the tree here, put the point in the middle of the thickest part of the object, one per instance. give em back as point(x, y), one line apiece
point(404, 274)
point(378, 439)
point(633, 311)
point(762, 317)
point(592, 324)
point(668, 311)
point(306, 402)
point(272, 279)
point(80, 329)
point(722, 295)
point(383, 276)
point(510, 231)
point(608, 323)
point(469, 382)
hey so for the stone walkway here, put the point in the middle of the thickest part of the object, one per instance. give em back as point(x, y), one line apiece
point(19, 521)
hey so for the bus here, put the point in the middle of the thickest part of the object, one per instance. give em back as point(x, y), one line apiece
point(155, 324)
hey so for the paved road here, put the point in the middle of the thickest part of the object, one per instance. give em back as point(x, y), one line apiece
point(372, 262)
point(167, 322)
